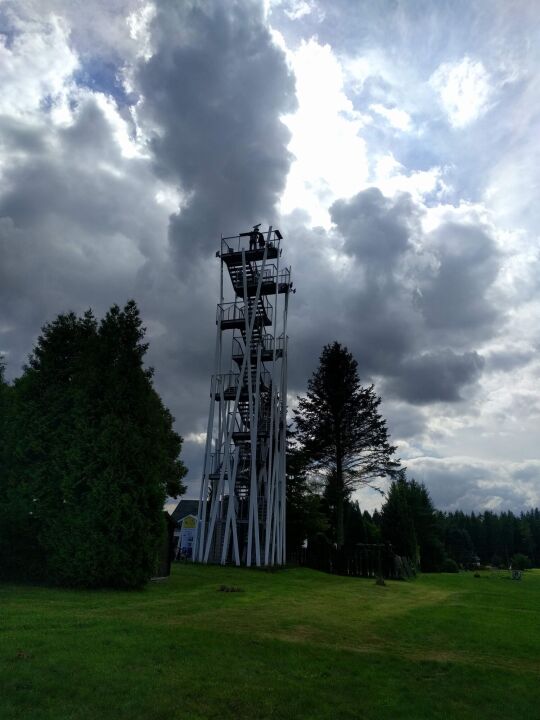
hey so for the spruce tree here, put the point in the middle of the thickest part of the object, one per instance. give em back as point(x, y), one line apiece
point(4, 390)
point(397, 523)
point(10, 532)
point(429, 533)
point(305, 516)
point(341, 432)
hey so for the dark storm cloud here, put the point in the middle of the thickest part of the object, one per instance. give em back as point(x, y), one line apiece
point(216, 87)
point(79, 229)
point(436, 377)
point(404, 421)
point(454, 300)
point(42, 186)
point(376, 229)
point(72, 233)
point(412, 307)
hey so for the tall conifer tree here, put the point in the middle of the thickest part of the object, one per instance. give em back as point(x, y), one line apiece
point(340, 430)
point(397, 521)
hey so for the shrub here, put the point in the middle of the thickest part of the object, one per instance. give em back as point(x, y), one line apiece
point(450, 566)
point(520, 561)
point(230, 588)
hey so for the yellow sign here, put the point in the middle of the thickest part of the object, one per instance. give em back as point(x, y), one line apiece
point(190, 521)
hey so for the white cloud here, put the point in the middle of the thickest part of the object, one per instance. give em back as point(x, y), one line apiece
point(138, 23)
point(391, 177)
point(467, 483)
point(464, 90)
point(295, 9)
point(397, 118)
point(36, 68)
point(299, 8)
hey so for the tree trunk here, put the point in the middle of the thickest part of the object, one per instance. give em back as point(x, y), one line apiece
point(340, 520)
point(340, 524)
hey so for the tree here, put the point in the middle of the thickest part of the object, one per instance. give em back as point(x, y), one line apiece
point(397, 523)
point(459, 546)
point(411, 524)
point(519, 561)
point(94, 454)
point(429, 534)
point(11, 512)
point(305, 517)
point(4, 399)
point(340, 431)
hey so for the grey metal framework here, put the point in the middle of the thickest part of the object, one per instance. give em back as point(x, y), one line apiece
point(241, 514)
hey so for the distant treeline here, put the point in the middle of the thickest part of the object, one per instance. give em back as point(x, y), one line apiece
point(494, 538)
point(487, 537)
point(409, 523)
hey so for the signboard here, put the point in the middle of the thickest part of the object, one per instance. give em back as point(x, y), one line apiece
point(187, 535)
point(189, 522)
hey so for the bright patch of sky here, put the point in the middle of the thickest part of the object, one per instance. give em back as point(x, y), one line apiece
point(138, 23)
point(37, 65)
point(329, 154)
point(332, 156)
point(464, 90)
point(398, 119)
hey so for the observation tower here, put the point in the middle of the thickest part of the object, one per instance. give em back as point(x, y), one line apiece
point(241, 514)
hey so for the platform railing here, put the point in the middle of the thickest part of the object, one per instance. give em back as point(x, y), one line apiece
point(267, 344)
point(227, 312)
point(231, 381)
point(237, 243)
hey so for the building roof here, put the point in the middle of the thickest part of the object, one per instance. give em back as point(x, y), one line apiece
point(184, 508)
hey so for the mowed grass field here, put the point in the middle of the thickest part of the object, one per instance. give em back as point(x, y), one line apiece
point(293, 644)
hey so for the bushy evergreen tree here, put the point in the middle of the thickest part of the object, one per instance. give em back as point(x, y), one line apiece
point(427, 527)
point(411, 524)
point(397, 524)
point(459, 546)
point(4, 399)
point(93, 454)
point(340, 431)
point(305, 515)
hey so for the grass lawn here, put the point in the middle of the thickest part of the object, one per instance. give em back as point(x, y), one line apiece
point(294, 644)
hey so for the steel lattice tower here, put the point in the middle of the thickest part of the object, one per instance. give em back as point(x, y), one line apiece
point(241, 515)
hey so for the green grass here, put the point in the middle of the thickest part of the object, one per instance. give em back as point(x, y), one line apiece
point(293, 644)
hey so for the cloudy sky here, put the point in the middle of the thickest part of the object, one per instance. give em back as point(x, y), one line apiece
point(395, 144)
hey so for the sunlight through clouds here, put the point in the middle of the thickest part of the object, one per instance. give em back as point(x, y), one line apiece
point(464, 90)
point(37, 68)
point(330, 156)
